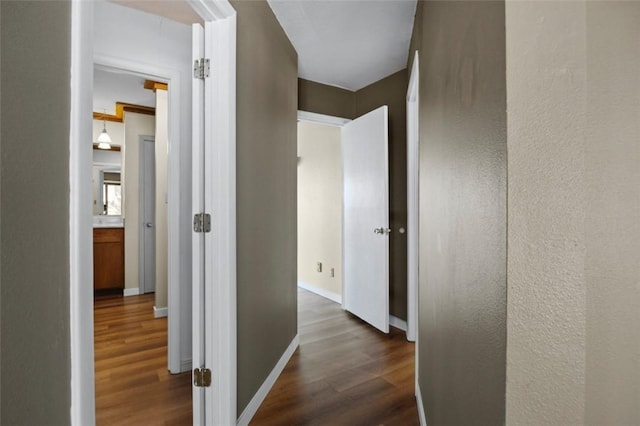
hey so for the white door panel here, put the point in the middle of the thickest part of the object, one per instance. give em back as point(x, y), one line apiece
point(198, 240)
point(366, 217)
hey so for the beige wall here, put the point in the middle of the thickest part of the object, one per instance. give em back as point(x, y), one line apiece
point(574, 201)
point(135, 126)
point(462, 294)
point(34, 244)
point(612, 221)
point(267, 102)
point(161, 223)
point(320, 205)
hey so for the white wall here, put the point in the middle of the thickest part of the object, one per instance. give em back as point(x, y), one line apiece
point(161, 145)
point(162, 48)
point(320, 206)
point(573, 101)
point(136, 125)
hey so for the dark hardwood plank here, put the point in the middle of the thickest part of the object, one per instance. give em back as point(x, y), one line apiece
point(133, 386)
point(344, 373)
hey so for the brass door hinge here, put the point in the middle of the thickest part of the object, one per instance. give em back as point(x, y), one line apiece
point(202, 377)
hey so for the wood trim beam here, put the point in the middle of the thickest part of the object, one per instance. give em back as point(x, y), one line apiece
point(113, 148)
point(107, 117)
point(121, 108)
point(155, 85)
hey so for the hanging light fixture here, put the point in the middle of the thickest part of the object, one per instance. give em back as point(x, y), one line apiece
point(104, 141)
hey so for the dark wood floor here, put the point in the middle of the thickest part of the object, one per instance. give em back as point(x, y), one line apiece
point(344, 373)
point(133, 386)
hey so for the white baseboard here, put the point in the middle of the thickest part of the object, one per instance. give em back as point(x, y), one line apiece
point(398, 323)
point(321, 292)
point(421, 415)
point(131, 291)
point(259, 397)
point(186, 365)
point(160, 312)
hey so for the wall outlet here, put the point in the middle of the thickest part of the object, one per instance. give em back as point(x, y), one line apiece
point(333, 272)
point(319, 266)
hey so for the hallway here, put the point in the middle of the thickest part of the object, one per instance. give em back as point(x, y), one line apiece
point(343, 373)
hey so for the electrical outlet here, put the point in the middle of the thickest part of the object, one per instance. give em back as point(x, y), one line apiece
point(333, 272)
point(319, 266)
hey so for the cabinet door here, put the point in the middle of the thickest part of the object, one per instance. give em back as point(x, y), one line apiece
point(108, 259)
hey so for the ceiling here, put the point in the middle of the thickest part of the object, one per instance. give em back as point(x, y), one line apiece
point(111, 87)
point(344, 43)
point(347, 43)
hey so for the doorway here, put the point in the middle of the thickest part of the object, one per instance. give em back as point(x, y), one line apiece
point(99, 43)
point(343, 216)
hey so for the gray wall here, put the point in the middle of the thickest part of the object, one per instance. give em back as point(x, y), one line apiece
point(462, 211)
point(391, 91)
point(34, 247)
point(267, 103)
point(328, 100)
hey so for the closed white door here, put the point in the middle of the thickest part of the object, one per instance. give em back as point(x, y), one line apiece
point(366, 218)
point(147, 215)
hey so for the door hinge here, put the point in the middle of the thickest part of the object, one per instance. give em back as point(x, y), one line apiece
point(201, 68)
point(202, 377)
point(202, 222)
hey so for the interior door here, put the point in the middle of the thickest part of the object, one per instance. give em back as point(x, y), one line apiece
point(366, 218)
point(198, 240)
point(147, 184)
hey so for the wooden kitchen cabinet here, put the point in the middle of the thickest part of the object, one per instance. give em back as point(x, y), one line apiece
point(108, 259)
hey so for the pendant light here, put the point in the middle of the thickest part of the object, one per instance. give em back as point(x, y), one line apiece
point(104, 141)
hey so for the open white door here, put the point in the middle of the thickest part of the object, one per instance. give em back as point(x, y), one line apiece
point(366, 218)
point(198, 240)
point(213, 243)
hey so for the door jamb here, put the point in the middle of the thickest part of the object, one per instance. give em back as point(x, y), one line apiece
point(82, 410)
point(413, 206)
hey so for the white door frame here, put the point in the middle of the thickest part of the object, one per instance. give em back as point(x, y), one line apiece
point(80, 217)
point(413, 203)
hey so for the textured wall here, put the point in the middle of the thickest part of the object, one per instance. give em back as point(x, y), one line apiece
point(328, 100)
point(34, 168)
point(612, 222)
point(462, 306)
point(267, 103)
point(320, 205)
point(392, 91)
point(546, 75)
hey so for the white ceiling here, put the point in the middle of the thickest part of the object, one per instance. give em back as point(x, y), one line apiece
point(343, 43)
point(112, 87)
point(347, 43)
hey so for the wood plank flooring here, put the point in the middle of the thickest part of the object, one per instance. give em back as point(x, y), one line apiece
point(133, 386)
point(344, 373)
